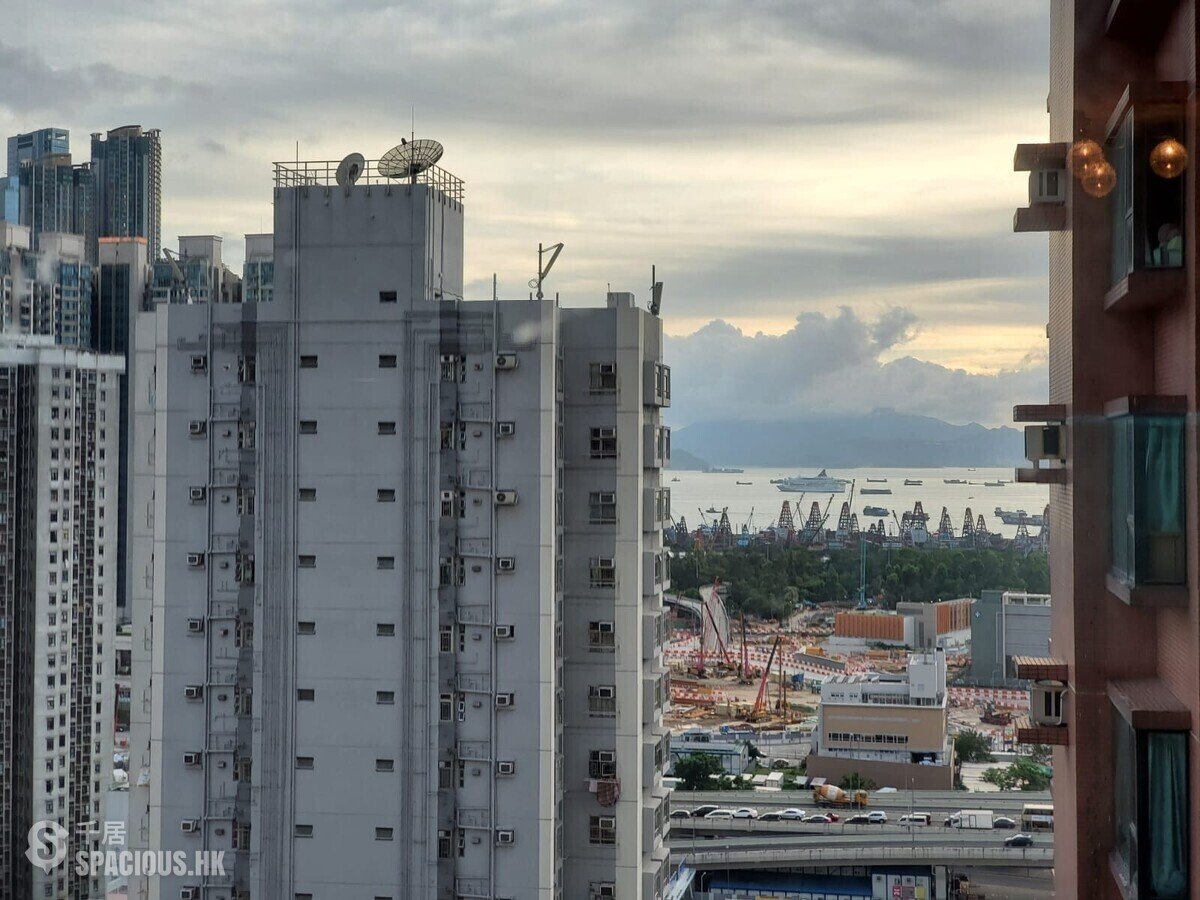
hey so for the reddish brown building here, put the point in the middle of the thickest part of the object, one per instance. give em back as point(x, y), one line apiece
point(1117, 192)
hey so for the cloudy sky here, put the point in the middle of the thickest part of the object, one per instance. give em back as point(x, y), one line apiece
point(825, 187)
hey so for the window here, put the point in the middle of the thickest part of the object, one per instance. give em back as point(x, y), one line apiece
point(308, 362)
point(603, 378)
point(387, 296)
point(387, 360)
point(308, 426)
point(385, 495)
point(1150, 810)
point(446, 639)
point(602, 700)
point(601, 637)
point(306, 694)
point(445, 708)
point(1148, 499)
point(385, 765)
point(308, 494)
point(304, 762)
point(385, 562)
point(306, 627)
point(304, 831)
point(601, 890)
point(603, 572)
point(602, 507)
point(383, 834)
point(307, 561)
point(602, 764)
point(385, 697)
point(602, 830)
point(604, 443)
point(385, 629)
point(387, 427)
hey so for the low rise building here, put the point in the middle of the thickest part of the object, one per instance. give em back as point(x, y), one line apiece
point(888, 728)
point(1007, 624)
point(733, 753)
point(918, 626)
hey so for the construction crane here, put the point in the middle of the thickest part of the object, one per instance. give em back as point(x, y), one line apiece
point(762, 685)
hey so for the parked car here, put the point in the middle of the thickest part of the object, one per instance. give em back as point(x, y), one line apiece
point(858, 819)
point(791, 814)
point(1003, 822)
point(914, 819)
point(701, 811)
point(817, 819)
point(745, 812)
point(833, 817)
point(719, 814)
point(877, 817)
point(1019, 840)
point(680, 814)
point(769, 817)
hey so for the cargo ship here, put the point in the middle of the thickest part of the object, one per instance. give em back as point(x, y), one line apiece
point(821, 483)
point(875, 511)
point(913, 482)
point(875, 491)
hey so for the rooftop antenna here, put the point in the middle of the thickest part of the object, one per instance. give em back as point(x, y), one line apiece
point(545, 267)
point(655, 293)
point(409, 158)
point(350, 169)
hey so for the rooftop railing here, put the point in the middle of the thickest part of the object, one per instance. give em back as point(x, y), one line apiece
point(323, 173)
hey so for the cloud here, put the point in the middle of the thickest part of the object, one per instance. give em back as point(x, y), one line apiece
point(827, 363)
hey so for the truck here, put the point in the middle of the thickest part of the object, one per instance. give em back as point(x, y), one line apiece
point(832, 795)
point(970, 818)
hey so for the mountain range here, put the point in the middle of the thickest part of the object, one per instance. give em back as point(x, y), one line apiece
point(883, 437)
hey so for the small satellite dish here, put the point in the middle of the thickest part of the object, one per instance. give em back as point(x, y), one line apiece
point(350, 169)
point(408, 158)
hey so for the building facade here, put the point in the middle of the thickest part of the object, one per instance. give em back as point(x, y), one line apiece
point(127, 170)
point(59, 439)
point(397, 609)
point(45, 291)
point(1117, 443)
point(1005, 625)
point(918, 626)
point(889, 728)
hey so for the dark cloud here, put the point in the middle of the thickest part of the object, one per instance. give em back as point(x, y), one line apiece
point(832, 362)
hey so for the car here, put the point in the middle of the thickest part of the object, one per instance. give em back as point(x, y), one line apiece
point(680, 814)
point(859, 819)
point(833, 817)
point(951, 821)
point(1003, 822)
point(769, 817)
point(701, 811)
point(791, 814)
point(914, 819)
point(1019, 840)
point(817, 819)
point(745, 812)
point(719, 814)
point(877, 817)
point(885, 790)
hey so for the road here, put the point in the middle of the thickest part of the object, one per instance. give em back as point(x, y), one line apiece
point(938, 804)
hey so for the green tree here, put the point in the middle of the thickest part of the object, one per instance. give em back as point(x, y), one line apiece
point(1001, 777)
point(852, 781)
point(697, 771)
point(973, 747)
point(1023, 775)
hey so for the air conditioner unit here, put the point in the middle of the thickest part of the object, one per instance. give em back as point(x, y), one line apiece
point(197, 493)
point(195, 626)
point(506, 429)
point(608, 368)
point(449, 358)
point(447, 496)
point(189, 826)
point(189, 893)
point(506, 497)
point(506, 360)
point(506, 836)
point(606, 432)
point(1046, 702)
point(197, 427)
point(607, 891)
point(192, 758)
point(607, 822)
point(1045, 442)
point(605, 627)
point(506, 564)
point(607, 497)
point(504, 632)
point(606, 755)
point(504, 701)
point(506, 767)
point(199, 362)
point(1047, 186)
point(195, 560)
point(605, 562)
point(194, 692)
point(606, 692)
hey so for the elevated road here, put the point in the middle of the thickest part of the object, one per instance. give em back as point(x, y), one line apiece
point(938, 804)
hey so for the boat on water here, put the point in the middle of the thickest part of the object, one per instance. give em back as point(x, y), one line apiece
point(721, 470)
point(913, 482)
point(954, 481)
point(877, 480)
point(712, 509)
point(821, 483)
point(676, 478)
point(745, 482)
point(993, 484)
point(875, 491)
point(875, 511)
point(1011, 517)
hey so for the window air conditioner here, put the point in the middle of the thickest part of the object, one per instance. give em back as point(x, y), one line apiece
point(506, 360)
point(506, 429)
point(192, 758)
point(194, 692)
point(504, 632)
point(504, 701)
point(197, 493)
point(189, 826)
point(506, 767)
point(506, 497)
point(506, 564)
point(195, 626)
point(506, 836)
point(199, 362)
point(197, 427)
point(195, 560)
point(1044, 442)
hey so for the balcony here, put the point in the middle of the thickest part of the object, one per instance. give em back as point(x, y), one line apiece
point(1047, 168)
point(1044, 442)
point(1046, 722)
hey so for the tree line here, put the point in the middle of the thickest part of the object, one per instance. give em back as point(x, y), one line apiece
point(773, 582)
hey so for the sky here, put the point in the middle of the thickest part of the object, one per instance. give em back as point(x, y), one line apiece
point(825, 188)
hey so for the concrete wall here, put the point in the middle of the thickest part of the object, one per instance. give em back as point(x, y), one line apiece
point(885, 774)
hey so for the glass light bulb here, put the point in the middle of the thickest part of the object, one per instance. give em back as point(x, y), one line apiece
point(1098, 178)
point(1169, 158)
point(1082, 153)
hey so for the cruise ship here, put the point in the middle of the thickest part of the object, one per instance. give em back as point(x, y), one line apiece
point(821, 483)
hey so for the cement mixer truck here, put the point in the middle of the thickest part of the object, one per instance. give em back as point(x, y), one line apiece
point(832, 795)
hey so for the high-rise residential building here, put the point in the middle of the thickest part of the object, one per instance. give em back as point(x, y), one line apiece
point(45, 291)
point(258, 270)
point(43, 189)
point(34, 145)
point(127, 168)
point(59, 437)
point(1119, 695)
point(396, 599)
point(195, 274)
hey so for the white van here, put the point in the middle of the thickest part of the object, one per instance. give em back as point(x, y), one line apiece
point(914, 819)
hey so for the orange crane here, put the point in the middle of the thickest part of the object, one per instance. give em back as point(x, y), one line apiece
point(762, 685)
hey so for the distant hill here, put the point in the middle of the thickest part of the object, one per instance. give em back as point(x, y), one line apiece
point(880, 438)
point(684, 461)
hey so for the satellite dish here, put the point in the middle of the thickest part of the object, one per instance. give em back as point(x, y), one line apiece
point(350, 169)
point(408, 158)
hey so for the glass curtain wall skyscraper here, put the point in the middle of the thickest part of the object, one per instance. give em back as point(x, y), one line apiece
point(127, 167)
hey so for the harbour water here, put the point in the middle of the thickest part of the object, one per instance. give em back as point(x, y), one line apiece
point(695, 491)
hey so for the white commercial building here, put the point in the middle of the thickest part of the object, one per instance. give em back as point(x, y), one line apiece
point(59, 440)
point(396, 572)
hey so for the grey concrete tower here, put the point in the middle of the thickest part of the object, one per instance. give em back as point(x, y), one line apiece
point(382, 638)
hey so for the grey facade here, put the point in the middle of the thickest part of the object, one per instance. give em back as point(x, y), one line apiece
point(1005, 624)
point(58, 498)
point(382, 646)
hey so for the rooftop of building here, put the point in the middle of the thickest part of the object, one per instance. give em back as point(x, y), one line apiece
point(324, 173)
